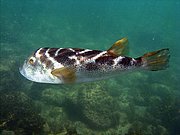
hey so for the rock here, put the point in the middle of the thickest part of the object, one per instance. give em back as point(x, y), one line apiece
point(53, 96)
point(95, 107)
point(55, 118)
point(5, 132)
point(19, 114)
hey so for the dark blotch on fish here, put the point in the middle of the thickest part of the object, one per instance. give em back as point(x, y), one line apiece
point(43, 50)
point(70, 62)
point(105, 60)
point(63, 55)
point(126, 61)
point(60, 58)
point(48, 63)
point(138, 61)
point(52, 52)
point(69, 54)
point(65, 59)
point(63, 51)
point(78, 49)
point(43, 58)
point(91, 66)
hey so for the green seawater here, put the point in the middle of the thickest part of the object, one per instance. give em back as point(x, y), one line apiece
point(137, 103)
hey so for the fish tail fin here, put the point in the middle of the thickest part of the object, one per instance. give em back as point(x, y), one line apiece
point(157, 60)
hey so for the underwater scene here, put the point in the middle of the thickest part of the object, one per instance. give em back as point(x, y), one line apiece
point(139, 102)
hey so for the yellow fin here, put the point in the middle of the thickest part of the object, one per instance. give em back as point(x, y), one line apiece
point(157, 60)
point(119, 48)
point(66, 74)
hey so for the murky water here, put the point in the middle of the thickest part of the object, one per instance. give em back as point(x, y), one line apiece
point(142, 103)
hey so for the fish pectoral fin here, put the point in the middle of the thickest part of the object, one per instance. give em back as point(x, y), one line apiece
point(119, 48)
point(66, 74)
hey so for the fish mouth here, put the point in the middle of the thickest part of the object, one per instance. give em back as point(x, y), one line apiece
point(22, 68)
point(23, 72)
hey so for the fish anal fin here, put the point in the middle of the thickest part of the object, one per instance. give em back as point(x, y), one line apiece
point(68, 75)
point(119, 48)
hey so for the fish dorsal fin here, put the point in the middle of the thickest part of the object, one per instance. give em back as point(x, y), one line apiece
point(119, 48)
point(66, 74)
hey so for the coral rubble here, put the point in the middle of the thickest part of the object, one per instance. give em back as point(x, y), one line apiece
point(19, 114)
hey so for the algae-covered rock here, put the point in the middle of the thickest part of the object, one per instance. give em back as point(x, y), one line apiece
point(141, 128)
point(54, 116)
point(53, 96)
point(97, 108)
point(5, 132)
point(19, 114)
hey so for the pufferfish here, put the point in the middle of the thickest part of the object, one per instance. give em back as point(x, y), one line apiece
point(74, 65)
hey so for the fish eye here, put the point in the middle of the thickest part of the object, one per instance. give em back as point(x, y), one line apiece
point(32, 60)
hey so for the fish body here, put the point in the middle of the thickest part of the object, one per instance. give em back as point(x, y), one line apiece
point(72, 65)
